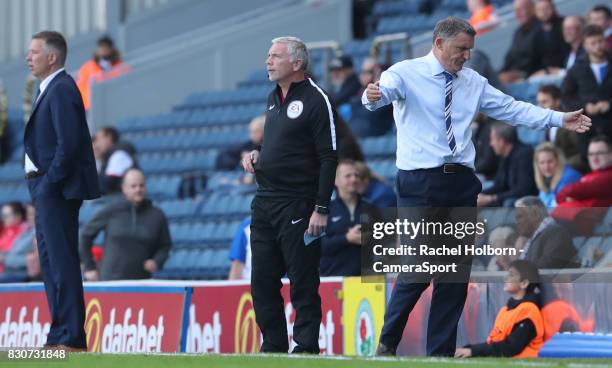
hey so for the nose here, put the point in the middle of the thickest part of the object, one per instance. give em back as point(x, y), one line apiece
point(467, 54)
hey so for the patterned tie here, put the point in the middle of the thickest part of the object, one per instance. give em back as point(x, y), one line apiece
point(447, 112)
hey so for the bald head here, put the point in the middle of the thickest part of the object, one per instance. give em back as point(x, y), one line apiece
point(523, 11)
point(134, 186)
point(572, 29)
point(256, 129)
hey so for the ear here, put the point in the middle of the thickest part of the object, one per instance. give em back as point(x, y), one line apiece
point(524, 284)
point(297, 65)
point(439, 42)
point(52, 57)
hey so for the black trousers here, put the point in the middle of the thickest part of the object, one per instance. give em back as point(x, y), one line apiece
point(431, 188)
point(277, 247)
point(57, 229)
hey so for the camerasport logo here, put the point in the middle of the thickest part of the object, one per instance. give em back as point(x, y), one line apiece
point(364, 329)
point(121, 333)
point(22, 329)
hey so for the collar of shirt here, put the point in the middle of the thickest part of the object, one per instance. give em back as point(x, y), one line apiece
point(435, 66)
point(45, 83)
point(292, 87)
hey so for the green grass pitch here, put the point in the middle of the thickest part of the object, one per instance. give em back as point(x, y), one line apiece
point(284, 361)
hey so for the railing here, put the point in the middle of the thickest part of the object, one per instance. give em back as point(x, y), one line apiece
point(386, 40)
point(331, 50)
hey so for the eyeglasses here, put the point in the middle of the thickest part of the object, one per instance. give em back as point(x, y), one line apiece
point(600, 153)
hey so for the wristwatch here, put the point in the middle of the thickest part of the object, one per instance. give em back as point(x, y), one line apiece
point(322, 210)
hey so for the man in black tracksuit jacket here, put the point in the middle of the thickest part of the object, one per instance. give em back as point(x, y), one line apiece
point(295, 172)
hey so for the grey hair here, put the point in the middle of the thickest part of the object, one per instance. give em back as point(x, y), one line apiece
point(505, 131)
point(535, 205)
point(296, 48)
point(450, 27)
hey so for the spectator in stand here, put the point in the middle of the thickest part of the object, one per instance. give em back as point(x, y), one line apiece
point(13, 225)
point(518, 330)
point(486, 161)
point(502, 237)
point(229, 159)
point(344, 80)
point(549, 244)
point(573, 28)
point(105, 61)
point(240, 252)
point(551, 48)
point(521, 58)
point(341, 246)
point(600, 15)
point(363, 122)
point(549, 97)
point(483, 17)
point(551, 173)
point(116, 157)
point(373, 188)
point(588, 85)
point(137, 238)
point(514, 178)
point(585, 202)
point(15, 260)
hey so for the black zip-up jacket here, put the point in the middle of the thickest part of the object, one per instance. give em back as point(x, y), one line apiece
point(133, 234)
point(298, 156)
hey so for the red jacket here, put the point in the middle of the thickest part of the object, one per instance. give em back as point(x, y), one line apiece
point(592, 190)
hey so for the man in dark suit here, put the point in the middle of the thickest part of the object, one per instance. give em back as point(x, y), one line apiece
point(514, 177)
point(549, 244)
point(61, 173)
point(588, 85)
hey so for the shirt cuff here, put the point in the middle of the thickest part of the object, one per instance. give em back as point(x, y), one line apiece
point(557, 119)
point(367, 104)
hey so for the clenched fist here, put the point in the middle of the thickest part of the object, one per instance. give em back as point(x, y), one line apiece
point(373, 92)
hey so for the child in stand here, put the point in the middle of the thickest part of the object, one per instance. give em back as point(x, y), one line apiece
point(518, 330)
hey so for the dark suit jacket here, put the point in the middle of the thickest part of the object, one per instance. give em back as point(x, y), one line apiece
point(580, 87)
point(553, 248)
point(58, 142)
point(514, 177)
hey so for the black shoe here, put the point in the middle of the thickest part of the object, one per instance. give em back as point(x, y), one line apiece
point(302, 350)
point(384, 350)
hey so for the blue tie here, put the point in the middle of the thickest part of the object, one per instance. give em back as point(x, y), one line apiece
point(603, 70)
point(447, 111)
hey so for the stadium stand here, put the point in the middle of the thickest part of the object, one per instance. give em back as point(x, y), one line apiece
point(184, 142)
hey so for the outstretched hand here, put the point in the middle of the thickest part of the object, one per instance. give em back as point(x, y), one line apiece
point(576, 121)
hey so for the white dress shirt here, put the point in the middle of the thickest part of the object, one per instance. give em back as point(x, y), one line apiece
point(416, 89)
point(29, 165)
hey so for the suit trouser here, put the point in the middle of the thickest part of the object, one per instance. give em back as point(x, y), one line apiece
point(277, 247)
point(57, 229)
point(431, 188)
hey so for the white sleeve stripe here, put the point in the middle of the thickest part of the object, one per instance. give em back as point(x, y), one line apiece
point(332, 127)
